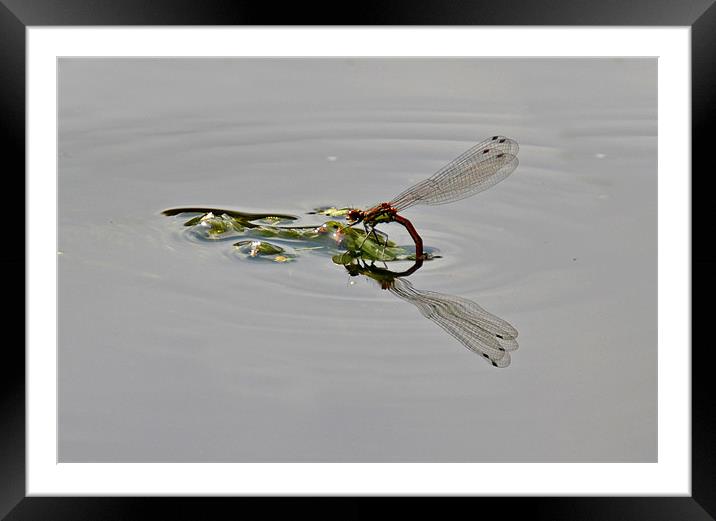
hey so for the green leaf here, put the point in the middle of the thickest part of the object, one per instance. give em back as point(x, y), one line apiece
point(331, 211)
point(263, 250)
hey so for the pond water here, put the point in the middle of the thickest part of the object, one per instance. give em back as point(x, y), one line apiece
point(177, 349)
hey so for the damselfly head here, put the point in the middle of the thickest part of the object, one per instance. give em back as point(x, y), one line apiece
point(354, 215)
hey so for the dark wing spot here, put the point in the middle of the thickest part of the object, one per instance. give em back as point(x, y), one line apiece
point(499, 155)
point(502, 141)
point(486, 151)
point(494, 137)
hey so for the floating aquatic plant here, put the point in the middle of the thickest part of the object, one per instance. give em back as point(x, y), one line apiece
point(333, 236)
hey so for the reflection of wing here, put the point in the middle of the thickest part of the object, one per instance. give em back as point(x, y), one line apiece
point(477, 329)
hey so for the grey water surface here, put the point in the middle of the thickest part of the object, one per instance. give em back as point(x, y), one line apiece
point(177, 350)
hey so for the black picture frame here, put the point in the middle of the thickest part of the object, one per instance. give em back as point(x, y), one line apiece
point(17, 15)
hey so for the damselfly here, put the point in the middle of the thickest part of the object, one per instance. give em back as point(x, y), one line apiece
point(481, 167)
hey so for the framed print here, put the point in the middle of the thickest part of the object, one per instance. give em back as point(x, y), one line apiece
point(226, 297)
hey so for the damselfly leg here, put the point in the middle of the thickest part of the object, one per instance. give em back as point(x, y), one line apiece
point(370, 230)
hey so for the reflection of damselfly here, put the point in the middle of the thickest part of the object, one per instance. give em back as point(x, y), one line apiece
point(477, 329)
point(481, 167)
